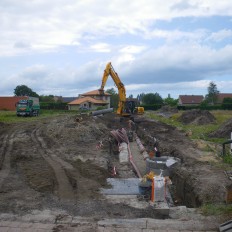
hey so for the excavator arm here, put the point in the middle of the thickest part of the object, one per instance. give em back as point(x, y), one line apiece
point(109, 70)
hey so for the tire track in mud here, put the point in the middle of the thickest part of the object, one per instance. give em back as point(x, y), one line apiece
point(65, 190)
point(5, 151)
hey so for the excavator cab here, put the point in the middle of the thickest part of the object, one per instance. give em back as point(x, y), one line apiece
point(133, 107)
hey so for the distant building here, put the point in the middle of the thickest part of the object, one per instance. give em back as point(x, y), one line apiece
point(90, 100)
point(221, 96)
point(187, 100)
point(9, 103)
point(57, 98)
point(68, 99)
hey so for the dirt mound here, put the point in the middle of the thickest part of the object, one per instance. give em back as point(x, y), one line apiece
point(224, 131)
point(169, 109)
point(197, 117)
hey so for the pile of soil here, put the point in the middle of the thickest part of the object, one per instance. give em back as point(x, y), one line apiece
point(197, 117)
point(224, 131)
point(168, 109)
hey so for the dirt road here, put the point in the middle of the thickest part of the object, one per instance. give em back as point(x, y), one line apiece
point(56, 164)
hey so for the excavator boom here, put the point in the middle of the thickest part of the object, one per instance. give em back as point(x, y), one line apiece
point(125, 107)
point(109, 70)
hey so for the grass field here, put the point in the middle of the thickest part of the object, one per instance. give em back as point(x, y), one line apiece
point(198, 131)
point(11, 117)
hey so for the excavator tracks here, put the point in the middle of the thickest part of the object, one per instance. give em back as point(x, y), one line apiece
point(64, 189)
point(5, 154)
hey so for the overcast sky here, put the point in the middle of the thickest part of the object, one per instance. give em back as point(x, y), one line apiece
point(61, 47)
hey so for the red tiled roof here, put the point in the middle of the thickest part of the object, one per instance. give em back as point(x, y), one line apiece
point(191, 99)
point(86, 99)
point(221, 96)
point(94, 93)
point(8, 103)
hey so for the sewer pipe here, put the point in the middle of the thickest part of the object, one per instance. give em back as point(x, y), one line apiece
point(121, 136)
point(141, 148)
point(105, 111)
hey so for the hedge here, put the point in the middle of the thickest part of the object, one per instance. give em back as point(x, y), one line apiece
point(152, 107)
point(53, 105)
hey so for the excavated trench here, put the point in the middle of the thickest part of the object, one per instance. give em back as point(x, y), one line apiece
point(31, 155)
point(184, 189)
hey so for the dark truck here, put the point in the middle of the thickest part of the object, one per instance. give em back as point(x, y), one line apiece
point(28, 107)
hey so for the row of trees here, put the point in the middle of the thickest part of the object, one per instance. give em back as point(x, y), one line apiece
point(23, 90)
point(144, 99)
point(147, 100)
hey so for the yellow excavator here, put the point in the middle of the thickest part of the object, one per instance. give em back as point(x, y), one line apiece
point(125, 107)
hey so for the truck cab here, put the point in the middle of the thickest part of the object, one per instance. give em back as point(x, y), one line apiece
point(27, 107)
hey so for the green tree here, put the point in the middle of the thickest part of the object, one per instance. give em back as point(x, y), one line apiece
point(170, 101)
point(114, 98)
point(152, 98)
point(44, 98)
point(23, 90)
point(211, 97)
point(140, 97)
point(227, 103)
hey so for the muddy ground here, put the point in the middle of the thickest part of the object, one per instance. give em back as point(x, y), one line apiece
point(57, 164)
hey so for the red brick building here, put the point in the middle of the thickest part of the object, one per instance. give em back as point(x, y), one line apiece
point(8, 103)
point(221, 97)
point(186, 100)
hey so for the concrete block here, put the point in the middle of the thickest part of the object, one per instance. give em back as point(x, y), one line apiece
point(128, 230)
point(148, 230)
point(174, 231)
point(43, 226)
point(161, 231)
point(26, 225)
point(82, 221)
point(4, 229)
point(167, 225)
point(83, 229)
point(4, 223)
point(123, 223)
point(162, 208)
point(14, 224)
point(13, 229)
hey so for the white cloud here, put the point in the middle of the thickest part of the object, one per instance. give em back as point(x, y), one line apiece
point(174, 35)
point(100, 47)
point(46, 25)
point(106, 31)
point(132, 49)
point(220, 35)
point(182, 62)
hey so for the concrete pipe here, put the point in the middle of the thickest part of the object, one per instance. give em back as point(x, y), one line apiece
point(105, 111)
